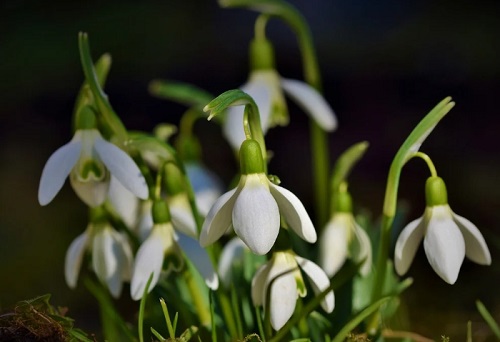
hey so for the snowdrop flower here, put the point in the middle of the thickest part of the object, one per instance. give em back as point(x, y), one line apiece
point(111, 256)
point(448, 237)
point(266, 88)
point(253, 208)
point(280, 281)
point(343, 238)
point(89, 160)
point(164, 247)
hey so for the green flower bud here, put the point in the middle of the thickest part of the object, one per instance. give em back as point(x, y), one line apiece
point(435, 192)
point(261, 54)
point(251, 160)
point(85, 118)
point(342, 202)
point(161, 213)
point(173, 179)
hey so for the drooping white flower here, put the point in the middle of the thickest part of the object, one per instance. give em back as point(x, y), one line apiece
point(280, 281)
point(448, 237)
point(266, 87)
point(163, 248)
point(111, 257)
point(89, 160)
point(343, 238)
point(254, 207)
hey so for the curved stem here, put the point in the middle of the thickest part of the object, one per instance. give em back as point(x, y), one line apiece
point(428, 161)
point(260, 26)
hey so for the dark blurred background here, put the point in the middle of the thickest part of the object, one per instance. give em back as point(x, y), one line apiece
point(384, 65)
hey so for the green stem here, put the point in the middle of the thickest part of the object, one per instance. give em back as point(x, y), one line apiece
point(428, 161)
point(202, 310)
point(227, 311)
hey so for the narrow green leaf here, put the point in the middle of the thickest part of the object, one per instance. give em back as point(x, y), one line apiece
point(142, 307)
point(157, 334)
point(188, 334)
point(184, 93)
point(488, 318)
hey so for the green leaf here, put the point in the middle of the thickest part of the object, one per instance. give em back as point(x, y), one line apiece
point(488, 318)
point(184, 93)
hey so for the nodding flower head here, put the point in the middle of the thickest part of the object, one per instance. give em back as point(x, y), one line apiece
point(90, 161)
point(448, 237)
point(278, 283)
point(254, 207)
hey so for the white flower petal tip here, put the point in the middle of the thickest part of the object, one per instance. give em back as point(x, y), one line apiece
point(232, 252)
point(407, 245)
point(278, 281)
point(200, 259)
point(111, 258)
point(294, 212)
point(341, 239)
point(475, 245)
point(311, 102)
point(448, 239)
point(74, 257)
point(149, 260)
point(256, 218)
point(319, 281)
point(125, 203)
point(253, 209)
point(122, 167)
point(57, 169)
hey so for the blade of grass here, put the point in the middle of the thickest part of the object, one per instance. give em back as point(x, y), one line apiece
point(488, 318)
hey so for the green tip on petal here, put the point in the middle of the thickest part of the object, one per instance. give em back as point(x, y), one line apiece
point(161, 213)
point(435, 192)
point(251, 160)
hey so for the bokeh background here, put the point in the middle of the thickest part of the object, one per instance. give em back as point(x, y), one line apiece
point(384, 65)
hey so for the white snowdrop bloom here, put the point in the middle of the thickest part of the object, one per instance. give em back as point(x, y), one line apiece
point(89, 160)
point(448, 237)
point(254, 207)
point(266, 87)
point(280, 281)
point(343, 238)
point(161, 253)
point(111, 257)
point(125, 203)
point(233, 252)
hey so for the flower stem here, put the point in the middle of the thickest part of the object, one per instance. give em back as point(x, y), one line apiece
point(428, 161)
point(201, 308)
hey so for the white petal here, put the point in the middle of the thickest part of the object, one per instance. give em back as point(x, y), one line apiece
point(259, 283)
point(407, 245)
point(333, 245)
point(123, 201)
point(122, 167)
point(93, 192)
point(363, 249)
point(232, 252)
point(105, 260)
point(57, 169)
point(125, 255)
point(283, 291)
point(319, 282)
point(200, 259)
point(445, 247)
point(311, 102)
point(256, 218)
point(149, 259)
point(74, 257)
point(294, 213)
point(145, 222)
point(182, 217)
point(233, 125)
point(219, 218)
point(475, 246)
